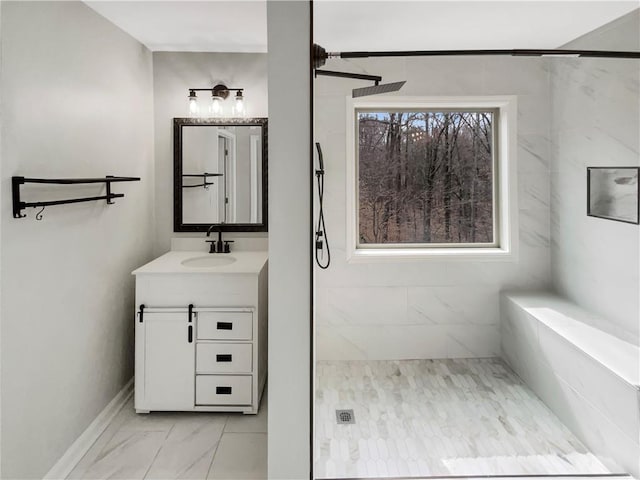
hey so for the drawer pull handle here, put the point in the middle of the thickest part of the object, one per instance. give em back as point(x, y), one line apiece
point(225, 326)
point(223, 390)
point(225, 357)
point(190, 335)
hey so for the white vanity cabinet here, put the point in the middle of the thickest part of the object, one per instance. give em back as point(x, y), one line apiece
point(201, 335)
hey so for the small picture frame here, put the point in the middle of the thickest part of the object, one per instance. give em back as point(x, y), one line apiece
point(612, 193)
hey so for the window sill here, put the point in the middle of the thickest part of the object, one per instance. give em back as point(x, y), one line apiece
point(401, 255)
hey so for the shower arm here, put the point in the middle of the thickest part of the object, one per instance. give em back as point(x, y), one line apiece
point(357, 76)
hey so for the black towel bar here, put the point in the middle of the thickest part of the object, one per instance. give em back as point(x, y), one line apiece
point(19, 205)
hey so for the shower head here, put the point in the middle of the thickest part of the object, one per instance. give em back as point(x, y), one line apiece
point(377, 89)
point(363, 92)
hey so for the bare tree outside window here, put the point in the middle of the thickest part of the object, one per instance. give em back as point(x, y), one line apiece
point(426, 177)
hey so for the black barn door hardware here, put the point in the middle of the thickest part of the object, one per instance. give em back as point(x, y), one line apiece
point(19, 205)
point(141, 313)
point(190, 329)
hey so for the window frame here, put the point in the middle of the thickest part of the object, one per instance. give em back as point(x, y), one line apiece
point(504, 184)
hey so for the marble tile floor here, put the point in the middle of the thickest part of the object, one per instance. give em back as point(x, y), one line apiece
point(417, 418)
point(167, 445)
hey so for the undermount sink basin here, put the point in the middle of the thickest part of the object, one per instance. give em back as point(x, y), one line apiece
point(208, 261)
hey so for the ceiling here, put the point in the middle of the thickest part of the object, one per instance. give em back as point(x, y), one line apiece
point(445, 25)
point(241, 25)
point(191, 26)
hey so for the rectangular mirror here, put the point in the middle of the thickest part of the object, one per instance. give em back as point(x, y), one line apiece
point(220, 174)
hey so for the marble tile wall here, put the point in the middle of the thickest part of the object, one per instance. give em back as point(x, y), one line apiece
point(596, 122)
point(431, 309)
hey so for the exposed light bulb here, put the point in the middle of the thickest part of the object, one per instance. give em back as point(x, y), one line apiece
point(216, 106)
point(239, 107)
point(194, 109)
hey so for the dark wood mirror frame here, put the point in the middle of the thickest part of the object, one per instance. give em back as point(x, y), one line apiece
point(178, 124)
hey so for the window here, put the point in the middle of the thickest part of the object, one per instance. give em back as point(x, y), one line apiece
point(430, 177)
point(426, 177)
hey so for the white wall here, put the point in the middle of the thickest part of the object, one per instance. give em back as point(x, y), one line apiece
point(596, 122)
point(289, 240)
point(173, 74)
point(76, 102)
point(431, 309)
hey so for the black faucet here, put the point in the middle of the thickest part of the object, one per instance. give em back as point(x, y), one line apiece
point(215, 247)
point(219, 246)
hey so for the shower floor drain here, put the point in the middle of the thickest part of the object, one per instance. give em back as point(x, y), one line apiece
point(345, 417)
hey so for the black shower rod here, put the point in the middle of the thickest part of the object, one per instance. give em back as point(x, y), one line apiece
point(321, 55)
point(515, 52)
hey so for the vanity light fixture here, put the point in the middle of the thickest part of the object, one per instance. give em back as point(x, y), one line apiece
point(216, 105)
point(193, 103)
point(239, 107)
point(219, 93)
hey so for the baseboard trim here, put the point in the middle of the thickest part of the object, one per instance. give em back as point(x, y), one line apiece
point(83, 443)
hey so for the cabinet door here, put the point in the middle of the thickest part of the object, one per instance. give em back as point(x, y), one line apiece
point(169, 361)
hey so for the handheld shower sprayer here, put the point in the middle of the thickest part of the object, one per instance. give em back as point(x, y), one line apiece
point(321, 240)
point(320, 160)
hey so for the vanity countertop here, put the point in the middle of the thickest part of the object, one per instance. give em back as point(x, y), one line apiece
point(171, 262)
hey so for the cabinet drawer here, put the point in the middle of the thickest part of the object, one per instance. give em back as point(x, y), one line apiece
point(223, 389)
point(225, 326)
point(224, 358)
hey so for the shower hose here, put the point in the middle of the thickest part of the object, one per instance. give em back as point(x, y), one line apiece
point(322, 242)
